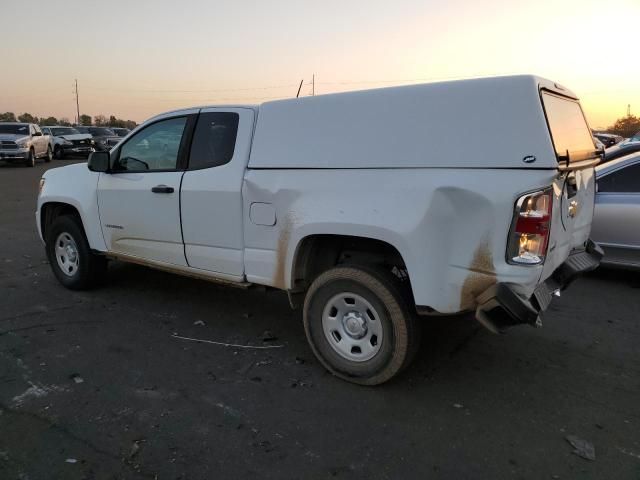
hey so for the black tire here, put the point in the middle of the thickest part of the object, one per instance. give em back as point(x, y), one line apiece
point(394, 309)
point(90, 268)
point(58, 153)
point(30, 161)
point(49, 155)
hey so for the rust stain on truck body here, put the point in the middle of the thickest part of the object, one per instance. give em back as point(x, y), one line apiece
point(279, 277)
point(481, 276)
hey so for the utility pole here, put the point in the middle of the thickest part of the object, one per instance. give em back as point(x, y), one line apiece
point(628, 110)
point(313, 85)
point(77, 104)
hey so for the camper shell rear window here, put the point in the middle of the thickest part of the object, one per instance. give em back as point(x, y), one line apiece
point(571, 136)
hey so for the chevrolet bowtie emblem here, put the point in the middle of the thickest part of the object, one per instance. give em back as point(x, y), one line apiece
point(573, 208)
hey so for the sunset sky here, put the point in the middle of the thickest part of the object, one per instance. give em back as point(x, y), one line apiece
point(136, 58)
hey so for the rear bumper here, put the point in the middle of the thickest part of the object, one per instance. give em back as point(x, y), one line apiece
point(500, 307)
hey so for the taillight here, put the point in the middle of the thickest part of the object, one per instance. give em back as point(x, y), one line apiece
point(529, 236)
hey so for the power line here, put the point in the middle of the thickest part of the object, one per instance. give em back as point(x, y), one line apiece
point(269, 87)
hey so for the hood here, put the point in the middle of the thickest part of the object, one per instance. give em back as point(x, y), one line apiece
point(68, 171)
point(76, 136)
point(12, 137)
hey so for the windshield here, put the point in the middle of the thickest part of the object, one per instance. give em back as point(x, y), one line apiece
point(101, 132)
point(569, 131)
point(57, 132)
point(14, 129)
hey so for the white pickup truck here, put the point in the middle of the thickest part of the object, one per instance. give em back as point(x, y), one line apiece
point(368, 208)
point(23, 142)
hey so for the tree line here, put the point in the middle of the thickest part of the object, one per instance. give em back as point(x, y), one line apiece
point(85, 120)
point(625, 127)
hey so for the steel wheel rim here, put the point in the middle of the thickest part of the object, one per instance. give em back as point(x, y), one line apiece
point(67, 255)
point(352, 327)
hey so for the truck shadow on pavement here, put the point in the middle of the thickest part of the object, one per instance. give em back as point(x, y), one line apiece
point(260, 316)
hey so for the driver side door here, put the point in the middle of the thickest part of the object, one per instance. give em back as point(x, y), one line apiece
point(139, 199)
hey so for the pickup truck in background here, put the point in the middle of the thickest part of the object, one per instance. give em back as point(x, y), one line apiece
point(23, 142)
point(365, 207)
point(67, 141)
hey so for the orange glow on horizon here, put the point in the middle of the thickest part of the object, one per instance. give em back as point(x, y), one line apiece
point(141, 62)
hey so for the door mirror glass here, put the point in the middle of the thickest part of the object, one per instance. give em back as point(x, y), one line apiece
point(98, 162)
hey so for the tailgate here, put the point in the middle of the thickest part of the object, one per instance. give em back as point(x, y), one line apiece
point(574, 186)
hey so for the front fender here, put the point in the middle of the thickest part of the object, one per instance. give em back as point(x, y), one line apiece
point(75, 185)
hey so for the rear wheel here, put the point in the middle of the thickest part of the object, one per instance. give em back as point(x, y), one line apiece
point(70, 256)
point(360, 324)
point(30, 161)
point(49, 155)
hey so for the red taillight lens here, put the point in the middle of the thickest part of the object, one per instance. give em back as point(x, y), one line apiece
point(529, 237)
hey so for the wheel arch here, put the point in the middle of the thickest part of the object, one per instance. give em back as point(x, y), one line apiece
point(316, 253)
point(49, 211)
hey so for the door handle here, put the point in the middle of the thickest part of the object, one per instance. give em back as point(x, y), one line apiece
point(162, 189)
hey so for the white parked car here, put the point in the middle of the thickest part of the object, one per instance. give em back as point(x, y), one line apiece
point(69, 141)
point(368, 208)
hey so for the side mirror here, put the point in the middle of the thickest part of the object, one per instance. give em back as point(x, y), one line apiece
point(98, 162)
point(37, 134)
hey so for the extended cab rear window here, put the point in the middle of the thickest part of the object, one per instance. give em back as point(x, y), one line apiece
point(569, 130)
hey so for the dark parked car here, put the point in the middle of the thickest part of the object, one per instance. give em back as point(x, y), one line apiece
point(121, 132)
point(608, 138)
point(105, 138)
point(621, 149)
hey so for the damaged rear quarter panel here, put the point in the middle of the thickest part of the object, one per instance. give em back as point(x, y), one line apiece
point(449, 225)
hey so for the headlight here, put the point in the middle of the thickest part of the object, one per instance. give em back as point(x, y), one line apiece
point(22, 142)
point(66, 142)
point(41, 186)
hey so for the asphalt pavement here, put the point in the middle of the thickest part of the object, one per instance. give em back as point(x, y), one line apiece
point(97, 384)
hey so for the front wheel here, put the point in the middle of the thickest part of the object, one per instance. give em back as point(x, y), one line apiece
point(70, 256)
point(360, 324)
point(58, 153)
point(30, 161)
